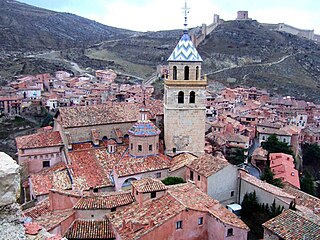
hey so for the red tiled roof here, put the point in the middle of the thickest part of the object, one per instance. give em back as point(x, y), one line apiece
point(86, 171)
point(207, 165)
point(294, 226)
point(52, 219)
point(181, 160)
point(129, 165)
point(55, 177)
point(105, 202)
point(42, 208)
point(110, 112)
point(39, 140)
point(90, 229)
point(32, 228)
point(148, 185)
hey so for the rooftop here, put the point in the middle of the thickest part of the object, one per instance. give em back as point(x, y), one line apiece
point(206, 165)
point(185, 51)
point(39, 140)
point(107, 201)
point(147, 185)
point(294, 225)
point(144, 128)
point(181, 160)
point(90, 229)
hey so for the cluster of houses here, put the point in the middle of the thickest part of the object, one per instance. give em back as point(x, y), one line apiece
point(96, 174)
point(64, 89)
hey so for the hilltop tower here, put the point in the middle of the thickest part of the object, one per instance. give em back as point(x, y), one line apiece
point(184, 99)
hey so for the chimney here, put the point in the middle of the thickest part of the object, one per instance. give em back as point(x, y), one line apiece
point(144, 114)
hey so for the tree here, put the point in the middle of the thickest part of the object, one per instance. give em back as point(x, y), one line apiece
point(307, 185)
point(268, 176)
point(273, 145)
point(172, 180)
point(236, 156)
point(311, 158)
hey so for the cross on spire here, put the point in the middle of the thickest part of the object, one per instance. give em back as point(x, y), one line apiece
point(185, 11)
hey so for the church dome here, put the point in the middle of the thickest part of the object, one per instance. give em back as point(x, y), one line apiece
point(144, 129)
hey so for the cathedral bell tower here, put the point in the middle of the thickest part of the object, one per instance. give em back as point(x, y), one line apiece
point(184, 99)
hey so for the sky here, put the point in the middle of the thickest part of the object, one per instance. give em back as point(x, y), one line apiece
point(154, 15)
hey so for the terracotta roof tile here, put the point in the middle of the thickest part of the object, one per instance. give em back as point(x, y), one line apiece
point(148, 185)
point(294, 225)
point(52, 219)
point(42, 208)
point(90, 229)
point(56, 177)
point(32, 228)
point(86, 171)
point(108, 201)
point(181, 160)
point(207, 165)
point(39, 140)
point(129, 165)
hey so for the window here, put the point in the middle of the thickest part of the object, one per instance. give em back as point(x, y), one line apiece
point(153, 195)
point(174, 150)
point(139, 148)
point(181, 97)
point(158, 175)
point(192, 98)
point(230, 232)
point(284, 140)
point(113, 209)
point(174, 73)
point(137, 193)
point(191, 175)
point(150, 147)
point(232, 194)
point(46, 164)
point(179, 225)
point(200, 220)
point(263, 138)
point(197, 73)
point(131, 146)
point(198, 177)
point(186, 73)
point(95, 190)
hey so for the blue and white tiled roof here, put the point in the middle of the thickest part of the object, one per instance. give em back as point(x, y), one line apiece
point(185, 51)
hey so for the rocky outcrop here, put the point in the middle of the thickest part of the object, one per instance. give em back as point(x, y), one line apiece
point(9, 180)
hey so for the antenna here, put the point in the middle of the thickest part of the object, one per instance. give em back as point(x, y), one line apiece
point(185, 11)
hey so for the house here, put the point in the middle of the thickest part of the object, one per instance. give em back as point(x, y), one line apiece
point(182, 212)
point(282, 166)
point(259, 158)
point(214, 176)
point(39, 151)
point(291, 225)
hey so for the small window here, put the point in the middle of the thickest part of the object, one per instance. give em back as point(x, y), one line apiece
point(200, 220)
point(92, 216)
point(139, 148)
point(186, 73)
point(46, 164)
point(179, 225)
point(150, 148)
point(95, 190)
point(232, 194)
point(137, 193)
point(181, 97)
point(198, 177)
point(158, 175)
point(191, 175)
point(174, 73)
point(153, 195)
point(131, 146)
point(197, 73)
point(230, 232)
point(284, 140)
point(192, 98)
point(174, 150)
point(113, 209)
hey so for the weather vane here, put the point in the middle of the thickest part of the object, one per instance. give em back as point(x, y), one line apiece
point(186, 11)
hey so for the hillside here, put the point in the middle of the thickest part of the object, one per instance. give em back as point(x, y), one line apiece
point(25, 27)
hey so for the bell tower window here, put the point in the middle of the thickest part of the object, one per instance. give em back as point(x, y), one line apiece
point(181, 97)
point(174, 73)
point(192, 98)
point(197, 73)
point(186, 73)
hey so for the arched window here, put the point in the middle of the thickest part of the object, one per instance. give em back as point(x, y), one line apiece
point(174, 73)
point(192, 98)
point(186, 73)
point(181, 97)
point(197, 73)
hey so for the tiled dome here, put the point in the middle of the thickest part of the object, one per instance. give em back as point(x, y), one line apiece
point(144, 128)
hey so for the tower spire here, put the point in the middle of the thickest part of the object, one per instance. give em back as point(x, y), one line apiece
point(185, 11)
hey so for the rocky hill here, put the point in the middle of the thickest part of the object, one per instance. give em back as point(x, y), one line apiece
point(36, 40)
point(25, 27)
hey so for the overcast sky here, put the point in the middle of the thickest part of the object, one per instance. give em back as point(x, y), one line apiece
point(153, 15)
